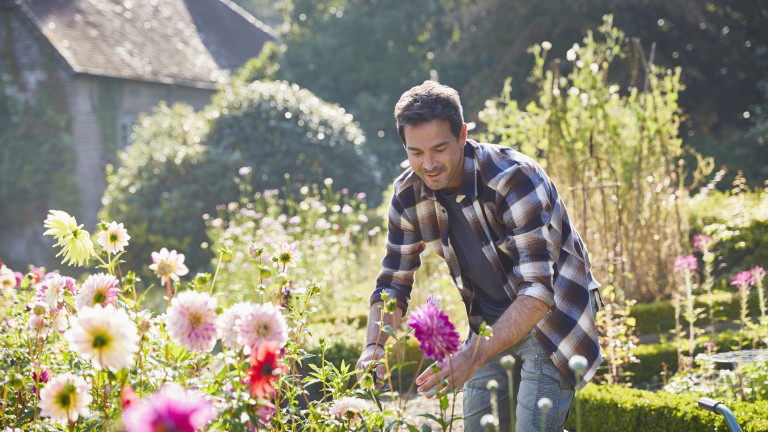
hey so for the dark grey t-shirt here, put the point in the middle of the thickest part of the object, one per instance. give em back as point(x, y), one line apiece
point(475, 267)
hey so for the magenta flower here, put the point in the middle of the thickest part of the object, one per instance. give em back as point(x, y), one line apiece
point(170, 409)
point(436, 335)
point(743, 280)
point(702, 242)
point(686, 263)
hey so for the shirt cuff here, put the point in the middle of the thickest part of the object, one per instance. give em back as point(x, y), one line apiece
point(402, 298)
point(539, 292)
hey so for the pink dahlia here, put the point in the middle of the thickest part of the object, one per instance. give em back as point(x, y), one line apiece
point(191, 321)
point(168, 265)
point(263, 322)
point(227, 324)
point(436, 335)
point(170, 409)
point(686, 263)
point(53, 289)
point(98, 289)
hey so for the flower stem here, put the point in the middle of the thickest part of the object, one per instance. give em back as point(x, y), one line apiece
point(218, 265)
point(168, 287)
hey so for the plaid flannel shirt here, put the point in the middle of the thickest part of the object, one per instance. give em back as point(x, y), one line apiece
point(522, 224)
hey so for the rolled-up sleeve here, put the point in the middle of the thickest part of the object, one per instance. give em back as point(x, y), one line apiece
point(403, 248)
point(526, 213)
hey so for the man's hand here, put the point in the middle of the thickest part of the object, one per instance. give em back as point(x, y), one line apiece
point(511, 327)
point(367, 362)
point(458, 370)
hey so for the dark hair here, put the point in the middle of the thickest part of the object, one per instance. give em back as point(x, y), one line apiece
point(427, 102)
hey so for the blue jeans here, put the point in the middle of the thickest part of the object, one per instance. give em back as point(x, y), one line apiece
point(535, 377)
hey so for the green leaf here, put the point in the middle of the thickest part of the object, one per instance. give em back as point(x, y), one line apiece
point(389, 330)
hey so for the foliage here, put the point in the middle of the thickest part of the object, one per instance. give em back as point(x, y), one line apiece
point(616, 331)
point(658, 361)
point(163, 185)
point(308, 387)
point(172, 174)
point(745, 382)
point(387, 49)
point(619, 408)
point(316, 218)
point(277, 128)
point(719, 44)
point(615, 150)
point(738, 222)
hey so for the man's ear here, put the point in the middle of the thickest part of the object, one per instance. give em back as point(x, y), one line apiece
point(463, 135)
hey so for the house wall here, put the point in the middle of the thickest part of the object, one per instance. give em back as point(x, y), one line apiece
point(31, 70)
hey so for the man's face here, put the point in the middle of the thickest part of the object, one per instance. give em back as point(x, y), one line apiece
point(436, 155)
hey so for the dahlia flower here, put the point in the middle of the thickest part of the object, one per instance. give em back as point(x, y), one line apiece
point(170, 409)
point(265, 368)
point(263, 322)
point(437, 337)
point(191, 321)
point(106, 335)
point(98, 289)
point(52, 290)
point(114, 239)
point(349, 409)
point(285, 255)
point(168, 265)
point(227, 324)
point(75, 242)
point(65, 398)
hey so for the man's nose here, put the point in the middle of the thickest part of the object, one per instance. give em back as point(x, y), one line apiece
point(429, 162)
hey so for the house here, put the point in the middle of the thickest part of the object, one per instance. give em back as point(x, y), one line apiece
point(113, 60)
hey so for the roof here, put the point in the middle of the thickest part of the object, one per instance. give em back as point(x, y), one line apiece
point(185, 42)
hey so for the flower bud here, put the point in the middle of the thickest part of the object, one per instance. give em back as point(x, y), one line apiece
point(578, 364)
point(492, 385)
point(508, 362)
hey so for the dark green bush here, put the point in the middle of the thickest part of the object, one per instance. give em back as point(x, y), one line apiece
point(163, 186)
point(616, 408)
point(278, 128)
point(183, 164)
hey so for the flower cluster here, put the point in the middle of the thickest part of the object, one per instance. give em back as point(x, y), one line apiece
point(686, 264)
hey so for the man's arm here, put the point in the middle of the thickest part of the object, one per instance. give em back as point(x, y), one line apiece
point(511, 327)
point(375, 339)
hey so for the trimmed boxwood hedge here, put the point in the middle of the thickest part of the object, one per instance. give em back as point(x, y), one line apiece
point(616, 408)
point(659, 317)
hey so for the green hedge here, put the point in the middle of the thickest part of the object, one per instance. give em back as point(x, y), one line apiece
point(659, 317)
point(616, 408)
point(647, 373)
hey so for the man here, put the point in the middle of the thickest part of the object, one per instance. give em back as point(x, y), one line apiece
point(520, 266)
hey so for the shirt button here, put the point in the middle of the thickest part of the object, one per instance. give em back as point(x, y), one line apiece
point(443, 210)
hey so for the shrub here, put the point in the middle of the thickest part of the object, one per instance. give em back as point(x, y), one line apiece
point(182, 164)
point(619, 408)
point(163, 186)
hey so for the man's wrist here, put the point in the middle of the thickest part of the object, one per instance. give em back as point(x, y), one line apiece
point(374, 343)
